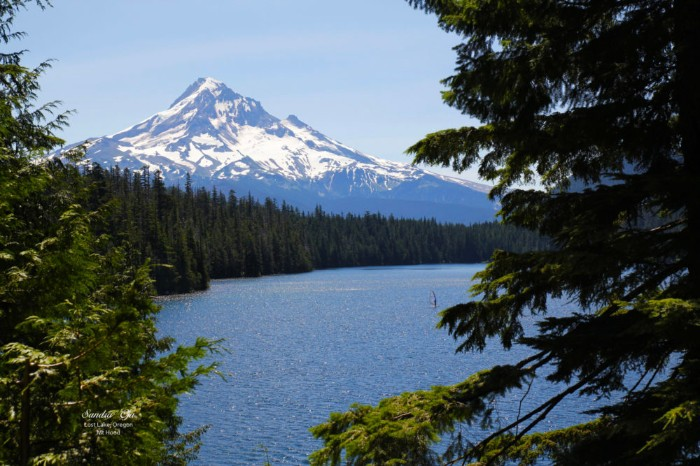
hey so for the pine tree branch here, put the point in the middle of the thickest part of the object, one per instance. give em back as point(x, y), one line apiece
point(542, 361)
point(648, 285)
point(520, 403)
point(657, 369)
point(77, 357)
point(543, 409)
point(653, 377)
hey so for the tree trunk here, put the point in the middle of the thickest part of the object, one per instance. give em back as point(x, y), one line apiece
point(25, 417)
point(687, 50)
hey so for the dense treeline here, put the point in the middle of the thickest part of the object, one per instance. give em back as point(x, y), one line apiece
point(372, 239)
point(191, 235)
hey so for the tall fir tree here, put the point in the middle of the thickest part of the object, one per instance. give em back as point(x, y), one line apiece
point(600, 101)
point(83, 376)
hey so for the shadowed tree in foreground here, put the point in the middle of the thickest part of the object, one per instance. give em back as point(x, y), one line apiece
point(601, 101)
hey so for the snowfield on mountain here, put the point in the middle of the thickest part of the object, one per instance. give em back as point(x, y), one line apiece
point(228, 141)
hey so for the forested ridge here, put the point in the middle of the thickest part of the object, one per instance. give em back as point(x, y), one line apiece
point(193, 235)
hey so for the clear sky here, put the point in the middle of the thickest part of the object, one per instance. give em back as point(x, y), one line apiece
point(364, 72)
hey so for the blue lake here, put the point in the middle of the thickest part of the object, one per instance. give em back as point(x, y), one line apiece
point(302, 346)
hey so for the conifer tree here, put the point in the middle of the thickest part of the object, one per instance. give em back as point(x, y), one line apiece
point(600, 100)
point(83, 376)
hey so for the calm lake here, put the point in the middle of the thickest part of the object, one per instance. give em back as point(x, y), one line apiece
point(302, 346)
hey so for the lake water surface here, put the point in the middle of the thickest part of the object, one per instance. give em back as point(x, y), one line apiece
point(302, 346)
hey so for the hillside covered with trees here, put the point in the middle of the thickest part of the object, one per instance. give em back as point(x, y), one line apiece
point(193, 235)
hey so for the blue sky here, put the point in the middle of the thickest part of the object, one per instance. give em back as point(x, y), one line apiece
point(365, 72)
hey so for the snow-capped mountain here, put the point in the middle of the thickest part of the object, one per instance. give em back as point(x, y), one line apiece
point(226, 140)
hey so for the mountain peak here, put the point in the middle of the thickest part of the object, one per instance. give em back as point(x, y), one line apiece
point(214, 86)
point(225, 139)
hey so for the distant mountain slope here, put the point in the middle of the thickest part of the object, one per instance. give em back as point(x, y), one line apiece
point(229, 141)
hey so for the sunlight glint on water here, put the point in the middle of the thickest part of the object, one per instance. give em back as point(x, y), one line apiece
point(302, 346)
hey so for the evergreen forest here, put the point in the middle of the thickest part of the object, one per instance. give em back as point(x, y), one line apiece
point(190, 235)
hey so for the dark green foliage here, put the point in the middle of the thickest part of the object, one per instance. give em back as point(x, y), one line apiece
point(77, 331)
point(193, 235)
point(372, 239)
point(602, 96)
point(77, 328)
